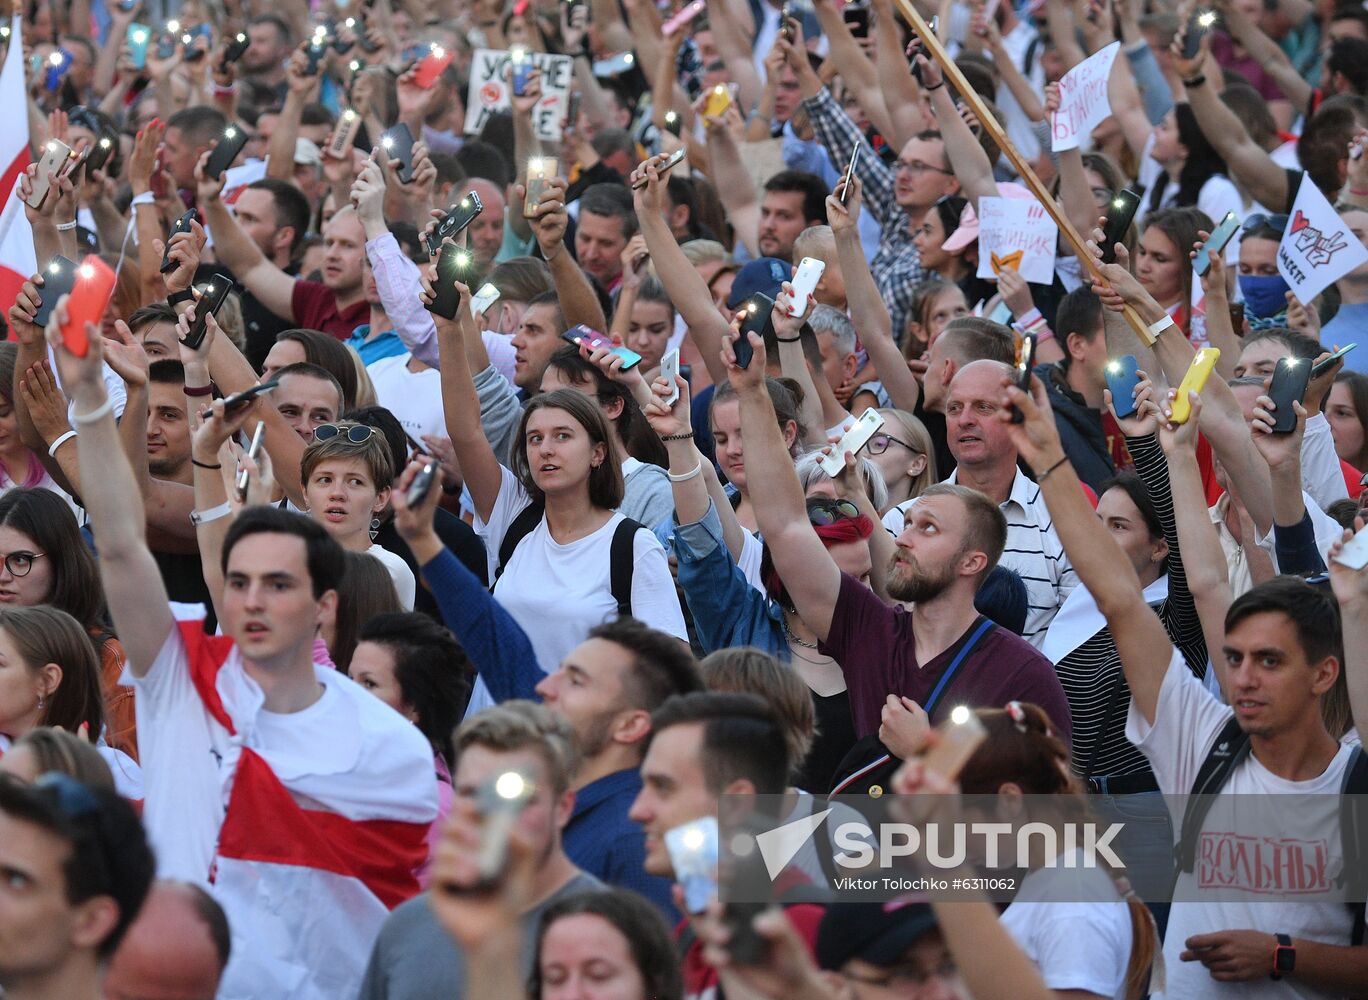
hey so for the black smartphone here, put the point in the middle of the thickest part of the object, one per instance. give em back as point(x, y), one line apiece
point(759, 310)
point(247, 395)
point(318, 48)
point(919, 49)
point(226, 150)
point(166, 44)
point(857, 19)
point(458, 216)
point(235, 48)
point(451, 265)
point(215, 294)
point(1025, 365)
point(182, 225)
point(98, 154)
point(1289, 383)
point(59, 278)
point(1120, 213)
point(398, 143)
point(673, 123)
point(1217, 241)
point(1199, 25)
point(422, 482)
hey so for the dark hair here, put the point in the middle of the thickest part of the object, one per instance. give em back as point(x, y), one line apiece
point(156, 312)
point(949, 210)
point(387, 424)
point(48, 521)
point(1301, 346)
point(281, 26)
point(365, 590)
point(661, 666)
point(1252, 109)
point(611, 200)
point(785, 395)
point(316, 114)
point(1202, 163)
point(329, 354)
point(309, 370)
point(1313, 614)
point(482, 159)
point(166, 371)
point(1349, 57)
point(1134, 487)
point(641, 924)
point(637, 437)
point(605, 480)
point(1004, 599)
point(810, 186)
point(433, 671)
point(608, 141)
point(201, 123)
point(681, 191)
point(1325, 137)
point(109, 854)
point(291, 208)
point(552, 299)
point(449, 169)
point(1079, 312)
point(323, 555)
point(1357, 384)
point(741, 738)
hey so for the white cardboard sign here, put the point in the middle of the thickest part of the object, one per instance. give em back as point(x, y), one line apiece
point(1083, 99)
point(489, 91)
point(1318, 247)
point(1017, 233)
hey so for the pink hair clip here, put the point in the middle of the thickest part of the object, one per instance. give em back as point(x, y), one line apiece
point(1017, 714)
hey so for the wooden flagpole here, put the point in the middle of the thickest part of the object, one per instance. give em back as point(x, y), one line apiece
point(936, 53)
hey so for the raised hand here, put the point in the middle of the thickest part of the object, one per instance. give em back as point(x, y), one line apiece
point(1036, 437)
point(1173, 437)
point(186, 250)
point(46, 404)
point(665, 419)
point(1145, 420)
point(126, 356)
point(844, 216)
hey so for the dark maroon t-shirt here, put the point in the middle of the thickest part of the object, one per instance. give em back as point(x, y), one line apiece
point(874, 645)
point(315, 308)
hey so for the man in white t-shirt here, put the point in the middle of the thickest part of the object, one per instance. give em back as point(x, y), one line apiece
point(1282, 653)
point(412, 391)
point(304, 799)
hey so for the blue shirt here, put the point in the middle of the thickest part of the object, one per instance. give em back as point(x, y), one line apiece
point(386, 345)
point(602, 841)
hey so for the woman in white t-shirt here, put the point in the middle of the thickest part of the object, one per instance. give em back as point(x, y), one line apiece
point(556, 583)
point(1072, 921)
point(347, 475)
point(1192, 174)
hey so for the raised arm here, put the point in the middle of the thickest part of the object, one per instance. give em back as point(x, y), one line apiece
point(733, 181)
point(962, 147)
point(803, 563)
point(1351, 590)
point(734, 40)
point(1140, 638)
point(812, 412)
point(132, 582)
point(1268, 55)
point(578, 301)
point(280, 154)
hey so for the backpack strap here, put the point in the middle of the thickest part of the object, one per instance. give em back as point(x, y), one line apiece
point(1354, 835)
point(1227, 751)
point(621, 561)
point(523, 525)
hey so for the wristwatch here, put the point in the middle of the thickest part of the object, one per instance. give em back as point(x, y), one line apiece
point(1284, 957)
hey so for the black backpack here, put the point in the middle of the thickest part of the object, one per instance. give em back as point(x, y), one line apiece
point(1232, 746)
point(620, 559)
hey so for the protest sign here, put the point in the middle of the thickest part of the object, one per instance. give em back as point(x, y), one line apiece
point(1016, 233)
point(489, 91)
point(1318, 247)
point(1082, 99)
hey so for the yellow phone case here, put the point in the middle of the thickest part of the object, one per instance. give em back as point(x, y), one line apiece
point(1194, 381)
point(719, 98)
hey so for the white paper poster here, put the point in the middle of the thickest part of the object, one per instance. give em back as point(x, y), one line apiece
point(1318, 247)
point(1017, 233)
point(1083, 99)
point(489, 91)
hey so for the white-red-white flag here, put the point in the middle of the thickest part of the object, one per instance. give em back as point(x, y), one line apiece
point(17, 258)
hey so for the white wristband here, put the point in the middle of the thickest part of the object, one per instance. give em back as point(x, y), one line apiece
point(63, 227)
point(198, 517)
point(688, 475)
point(95, 415)
point(61, 440)
point(146, 198)
point(1160, 325)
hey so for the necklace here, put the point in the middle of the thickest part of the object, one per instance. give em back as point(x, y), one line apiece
point(788, 634)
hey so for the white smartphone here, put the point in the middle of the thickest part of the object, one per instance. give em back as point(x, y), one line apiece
point(669, 371)
point(1355, 551)
point(852, 441)
point(804, 283)
point(483, 299)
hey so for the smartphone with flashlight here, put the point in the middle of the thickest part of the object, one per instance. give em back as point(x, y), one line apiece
point(138, 37)
point(54, 161)
point(693, 850)
point(1220, 236)
point(522, 66)
point(673, 123)
point(432, 65)
point(501, 801)
point(226, 150)
point(458, 216)
point(669, 371)
point(1198, 27)
point(87, 303)
point(244, 477)
point(398, 143)
point(451, 265)
point(540, 170)
point(1120, 212)
point(1290, 379)
point(1194, 380)
point(234, 50)
point(215, 294)
point(98, 154)
point(593, 339)
point(759, 318)
point(59, 278)
point(719, 99)
point(344, 135)
point(1122, 378)
point(485, 297)
point(613, 66)
point(663, 167)
point(686, 15)
point(954, 742)
point(1026, 354)
point(182, 225)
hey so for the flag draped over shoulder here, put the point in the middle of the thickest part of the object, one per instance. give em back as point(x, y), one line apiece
point(17, 258)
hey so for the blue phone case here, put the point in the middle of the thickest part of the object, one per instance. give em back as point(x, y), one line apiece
point(521, 72)
point(53, 79)
point(1122, 380)
point(138, 35)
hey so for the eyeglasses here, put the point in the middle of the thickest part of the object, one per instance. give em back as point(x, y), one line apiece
point(909, 975)
point(1259, 220)
point(879, 443)
point(19, 563)
point(823, 512)
point(918, 167)
point(356, 433)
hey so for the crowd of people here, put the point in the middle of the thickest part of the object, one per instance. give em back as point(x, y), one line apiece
point(356, 644)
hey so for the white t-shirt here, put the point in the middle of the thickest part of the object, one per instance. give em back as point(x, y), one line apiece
point(415, 398)
point(1075, 945)
point(404, 583)
point(1187, 720)
point(557, 593)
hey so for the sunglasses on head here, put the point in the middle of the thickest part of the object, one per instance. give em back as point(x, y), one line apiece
point(822, 512)
point(356, 433)
point(1259, 220)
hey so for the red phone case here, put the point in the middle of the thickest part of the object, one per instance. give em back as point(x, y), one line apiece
point(87, 304)
point(430, 67)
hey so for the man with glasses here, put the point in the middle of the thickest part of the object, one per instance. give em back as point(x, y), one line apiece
point(888, 951)
point(74, 871)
